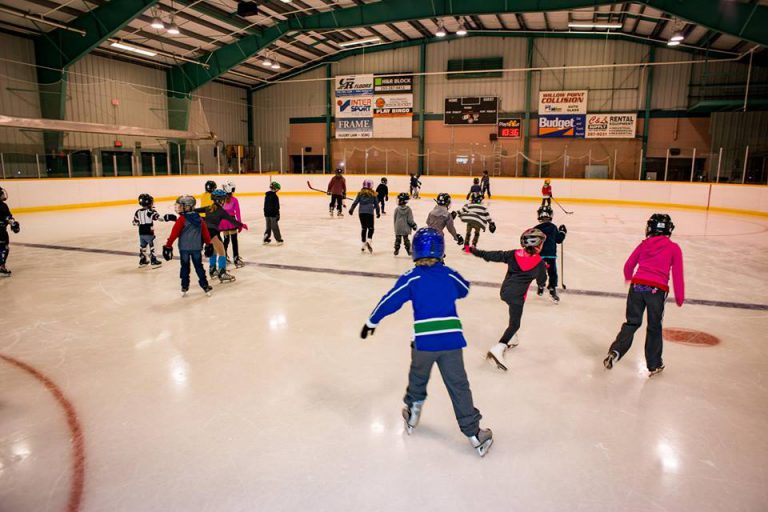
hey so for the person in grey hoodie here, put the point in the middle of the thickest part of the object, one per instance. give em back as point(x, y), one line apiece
point(440, 218)
point(369, 203)
point(404, 223)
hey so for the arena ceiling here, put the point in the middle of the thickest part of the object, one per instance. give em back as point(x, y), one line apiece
point(214, 43)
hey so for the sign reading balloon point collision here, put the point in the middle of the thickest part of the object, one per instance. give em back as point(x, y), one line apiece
point(562, 114)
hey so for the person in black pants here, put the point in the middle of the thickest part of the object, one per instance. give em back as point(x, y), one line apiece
point(272, 214)
point(555, 235)
point(368, 203)
point(6, 219)
point(640, 298)
point(382, 194)
point(485, 184)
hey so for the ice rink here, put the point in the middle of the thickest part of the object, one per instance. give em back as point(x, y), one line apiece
point(118, 395)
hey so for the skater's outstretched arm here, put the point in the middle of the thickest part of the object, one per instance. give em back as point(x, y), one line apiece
point(393, 300)
point(494, 256)
point(354, 204)
point(677, 275)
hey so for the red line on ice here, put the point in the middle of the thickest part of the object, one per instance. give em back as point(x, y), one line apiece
point(78, 444)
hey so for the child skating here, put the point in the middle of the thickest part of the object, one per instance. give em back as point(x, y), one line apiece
point(475, 189)
point(145, 218)
point(546, 193)
point(228, 230)
point(415, 186)
point(369, 204)
point(6, 221)
point(192, 233)
point(523, 266)
point(382, 194)
point(440, 218)
point(272, 214)
point(477, 218)
point(214, 215)
point(337, 189)
point(433, 288)
point(206, 199)
point(485, 185)
point(404, 223)
point(647, 269)
point(555, 235)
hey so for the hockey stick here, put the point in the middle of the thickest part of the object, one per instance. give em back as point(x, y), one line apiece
point(561, 207)
point(345, 198)
point(562, 266)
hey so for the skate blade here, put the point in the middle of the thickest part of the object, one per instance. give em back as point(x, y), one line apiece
point(483, 448)
point(408, 428)
point(490, 357)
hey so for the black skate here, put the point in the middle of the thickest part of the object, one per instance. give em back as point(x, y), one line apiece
point(539, 291)
point(239, 263)
point(143, 261)
point(4, 272)
point(553, 295)
point(155, 262)
point(339, 214)
point(397, 251)
point(411, 416)
point(612, 357)
point(369, 247)
point(482, 441)
point(208, 289)
point(655, 371)
point(226, 277)
point(212, 272)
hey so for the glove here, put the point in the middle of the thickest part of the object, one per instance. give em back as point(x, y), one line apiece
point(492, 227)
point(327, 193)
point(15, 226)
point(167, 253)
point(453, 214)
point(414, 227)
point(367, 331)
point(562, 229)
point(459, 239)
point(208, 251)
point(169, 217)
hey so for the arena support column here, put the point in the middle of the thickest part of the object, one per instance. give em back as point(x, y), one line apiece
point(249, 102)
point(328, 107)
point(528, 92)
point(648, 100)
point(422, 102)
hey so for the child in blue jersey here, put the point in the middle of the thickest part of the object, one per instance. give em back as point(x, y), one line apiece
point(434, 288)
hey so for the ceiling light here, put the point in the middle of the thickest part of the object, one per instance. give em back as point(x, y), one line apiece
point(157, 23)
point(673, 43)
point(286, 1)
point(266, 62)
point(173, 29)
point(275, 65)
point(677, 36)
point(360, 41)
point(462, 30)
point(440, 30)
point(607, 26)
point(134, 49)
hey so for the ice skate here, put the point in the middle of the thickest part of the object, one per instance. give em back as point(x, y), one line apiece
point(466, 248)
point(339, 214)
point(539, 291)
point(408, 251)
point(553, 295)
point(655, 371)
point(143, 261)
point(266, 241)
point(226, 277)
point(330, 212)
point(155, 262)
point(397, 251)
point(482, 441)
point(239, 263)
point(184, 292)
point(612, 357)
point(279, 242)
point(411, 416)
point(4, 272)
point(496, 355)
point(208, 289)
point(212, 272)
point(369, 247)
point(362, 249)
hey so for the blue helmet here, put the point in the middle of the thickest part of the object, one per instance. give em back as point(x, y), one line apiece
point(218, 196)
point(428, 243)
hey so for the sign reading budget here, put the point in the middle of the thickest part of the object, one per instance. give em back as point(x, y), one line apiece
point(562, 126)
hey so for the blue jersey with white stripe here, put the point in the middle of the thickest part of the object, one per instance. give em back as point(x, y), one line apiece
point(433, 290)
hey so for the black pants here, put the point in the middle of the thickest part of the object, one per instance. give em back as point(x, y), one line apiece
point(235, 245)
point(5, 246)
point(451, 364)
point(515, 316)
point(546, 201)
point(336, 201)
point(272, 227)
point(196, 259)
point(406, 240)
point(551, 272)
point(382, 200)
point(639, 299)
point(486, 190)
point(472, 226)
point(366, 223)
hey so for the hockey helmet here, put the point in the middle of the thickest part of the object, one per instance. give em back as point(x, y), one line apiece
point(184, 204)
point(384, 180)
point(339, 170)
point(218, 196)
point(659, 224)
point(428, 243)
point(544, 213)
point(367, 184)
point(228, 187)
point(274, 185)
point(146, 200)
point(3, 194)
point(476, 181)
point(403, 198)
point(210, 186)
point(531, 239)
point(443, 199)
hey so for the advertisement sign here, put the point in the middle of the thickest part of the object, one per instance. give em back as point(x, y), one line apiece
point(354, 106)
point(393, 106)
point(392, 127)
point(569, 126)
point(562, 102)
point(611, 126)
point(509, 128)
point(392, 84)
point(354, 85)
point(355, 128)
point(471, 110)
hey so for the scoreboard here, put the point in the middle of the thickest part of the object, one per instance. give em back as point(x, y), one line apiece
point(471, 110)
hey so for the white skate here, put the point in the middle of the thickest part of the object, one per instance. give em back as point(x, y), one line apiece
point(411, 416)
point(496, 355)
point(482, 441)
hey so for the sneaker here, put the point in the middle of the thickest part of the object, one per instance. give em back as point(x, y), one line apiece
point(496, 355)
point(655, 371)
point(612, 357)
point(411, 415)
point(482, 441)
point(4, 272)
point(184, 292)
point(239, 263)
point(208, 289)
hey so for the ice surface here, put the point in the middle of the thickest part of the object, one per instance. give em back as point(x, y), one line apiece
point(263, 397)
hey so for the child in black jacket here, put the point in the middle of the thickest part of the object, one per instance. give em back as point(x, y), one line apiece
point(555, 235)
point(272, 214)
point(524, 265)
point(382, 194)
point(6, 220)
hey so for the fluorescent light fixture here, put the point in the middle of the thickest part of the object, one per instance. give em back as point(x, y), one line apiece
point(275, 65)
point(360, 41)
point(266, 62)
point(286, 1)
point(608, 26)
point(157, 23)
point(677, 36)
point(673, 43)
point(173, 29)
point(462, 31)
point(134, 49)
point(440, 30)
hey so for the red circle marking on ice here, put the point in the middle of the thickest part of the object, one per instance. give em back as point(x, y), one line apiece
point(689, 337)
point(76, 432)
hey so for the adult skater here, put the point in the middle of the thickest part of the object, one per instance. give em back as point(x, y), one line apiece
point(229, 230)
point(337, 189)
point(440, 218)
point(369, 204)
point(404, 223)
point(145, 218)
point(485, 184)
point(475, 189)
point(434, 288)
point(647, 269)
point(523, 266)
point(192, 233)
point(415, 186)
point(546, 193)
point(477, 218)
point(6, 220)
point(555, 235)
point(382, 194)
point(214, 214)
point(272, 214)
